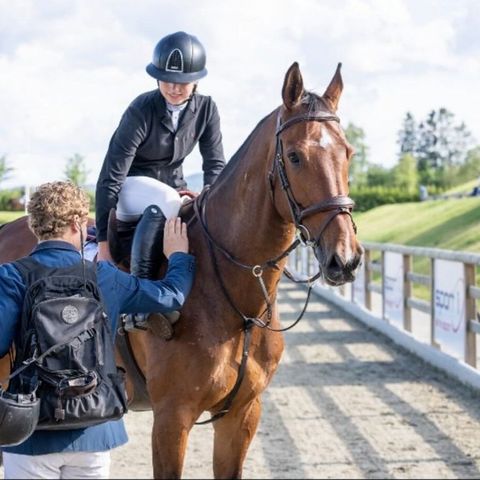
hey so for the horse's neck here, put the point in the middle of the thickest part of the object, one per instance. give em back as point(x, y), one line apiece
point(241, 212)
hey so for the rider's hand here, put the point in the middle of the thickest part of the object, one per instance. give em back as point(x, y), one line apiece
point(188, 193)
point(175, 237)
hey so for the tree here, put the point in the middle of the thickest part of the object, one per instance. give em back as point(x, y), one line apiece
point(441, 148)
point(407, 136)
point(378, 176)
point(76, 171)
point(359, 166)
point(405, 173)
point(5, 170)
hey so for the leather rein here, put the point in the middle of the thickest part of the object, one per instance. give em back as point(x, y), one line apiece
point(340, 204)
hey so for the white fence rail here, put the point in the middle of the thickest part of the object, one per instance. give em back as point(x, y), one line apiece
point(423, 298)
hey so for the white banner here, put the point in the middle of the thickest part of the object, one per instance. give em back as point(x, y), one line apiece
point(449, 307)
point(359, 285)
point(393, 274)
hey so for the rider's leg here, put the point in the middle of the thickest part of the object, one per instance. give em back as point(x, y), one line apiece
point(147, 251)
point(138, 193)
point(147, 246)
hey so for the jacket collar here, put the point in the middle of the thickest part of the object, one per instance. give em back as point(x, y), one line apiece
point(186, 116)
point(56, 245)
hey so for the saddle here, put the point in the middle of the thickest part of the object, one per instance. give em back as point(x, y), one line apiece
point(120, 234)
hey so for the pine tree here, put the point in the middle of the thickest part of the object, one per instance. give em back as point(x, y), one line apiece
point(441, 148)
point(407, 136)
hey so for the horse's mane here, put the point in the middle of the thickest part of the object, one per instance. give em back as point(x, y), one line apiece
point(239, 154)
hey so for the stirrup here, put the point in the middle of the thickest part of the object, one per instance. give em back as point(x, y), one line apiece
point(134, 321)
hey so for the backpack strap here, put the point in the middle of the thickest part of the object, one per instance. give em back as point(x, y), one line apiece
point(38, 360)
point(32, 270)
point(29, 269)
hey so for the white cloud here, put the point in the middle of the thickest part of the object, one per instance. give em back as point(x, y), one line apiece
point(68, 69)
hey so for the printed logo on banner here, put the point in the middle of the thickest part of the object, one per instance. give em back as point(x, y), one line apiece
point(449, 307)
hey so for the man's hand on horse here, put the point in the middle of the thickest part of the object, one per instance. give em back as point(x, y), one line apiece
point(104, 252)
point(175, 237)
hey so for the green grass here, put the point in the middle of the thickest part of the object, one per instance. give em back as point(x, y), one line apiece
point(452, 224)
point(465, 188)
point(6, 217)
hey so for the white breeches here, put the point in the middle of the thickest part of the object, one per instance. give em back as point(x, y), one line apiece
point(78, 465)
point(138, 193)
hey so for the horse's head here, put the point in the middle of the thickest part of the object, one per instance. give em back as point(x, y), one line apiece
point(311, 167)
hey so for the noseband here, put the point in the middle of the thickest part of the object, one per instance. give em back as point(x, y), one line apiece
point(339, 204)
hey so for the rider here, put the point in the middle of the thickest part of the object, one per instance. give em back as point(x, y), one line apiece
point(143, 164)
point(58, 214)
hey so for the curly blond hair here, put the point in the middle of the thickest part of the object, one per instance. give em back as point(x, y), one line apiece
point(53, 207)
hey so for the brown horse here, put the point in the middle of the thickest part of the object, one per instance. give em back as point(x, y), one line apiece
point(292, 171)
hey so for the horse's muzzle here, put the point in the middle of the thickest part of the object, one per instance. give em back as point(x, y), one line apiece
point(337, 270)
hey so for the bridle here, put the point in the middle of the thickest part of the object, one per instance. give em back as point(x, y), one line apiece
point(339, 204)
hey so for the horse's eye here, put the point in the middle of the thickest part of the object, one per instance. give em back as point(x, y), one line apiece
point(293, 157)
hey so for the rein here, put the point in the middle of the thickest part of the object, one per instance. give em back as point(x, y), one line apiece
point(340, 204)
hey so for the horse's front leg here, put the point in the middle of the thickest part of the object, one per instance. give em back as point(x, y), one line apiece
point(171, 427)
point(233, 435)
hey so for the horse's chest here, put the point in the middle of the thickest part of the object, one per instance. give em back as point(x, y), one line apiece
point(263, 358)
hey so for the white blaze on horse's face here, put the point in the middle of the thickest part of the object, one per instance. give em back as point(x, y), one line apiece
point(324, 142)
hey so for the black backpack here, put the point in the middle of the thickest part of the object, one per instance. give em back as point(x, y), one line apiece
point(64, 351)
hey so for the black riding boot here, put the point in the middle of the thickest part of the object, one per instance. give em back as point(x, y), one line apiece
point(147, 246)
point(147, 252)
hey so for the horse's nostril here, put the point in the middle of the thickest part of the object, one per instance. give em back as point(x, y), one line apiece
point(335, 263)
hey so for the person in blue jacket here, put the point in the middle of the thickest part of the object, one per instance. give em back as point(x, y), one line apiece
point(58, 213)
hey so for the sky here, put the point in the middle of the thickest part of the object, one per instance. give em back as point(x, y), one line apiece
point(69, 69)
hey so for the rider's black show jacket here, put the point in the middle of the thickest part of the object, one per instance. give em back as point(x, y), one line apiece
point(145, 143)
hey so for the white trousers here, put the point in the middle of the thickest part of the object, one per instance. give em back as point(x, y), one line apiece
point(57, 465)
point(138, 193)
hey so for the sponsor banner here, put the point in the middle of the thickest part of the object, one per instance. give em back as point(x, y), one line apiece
point(393, 276)
point(359, 286)
point(449, 307)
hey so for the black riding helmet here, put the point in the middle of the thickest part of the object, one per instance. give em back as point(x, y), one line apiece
point(18, 417)
point(178, 58)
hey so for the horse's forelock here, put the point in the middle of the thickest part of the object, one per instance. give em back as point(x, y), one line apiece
point(315, 103)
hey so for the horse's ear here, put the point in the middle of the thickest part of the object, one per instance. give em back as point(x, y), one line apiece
point(292, 90)
point(334, 90)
